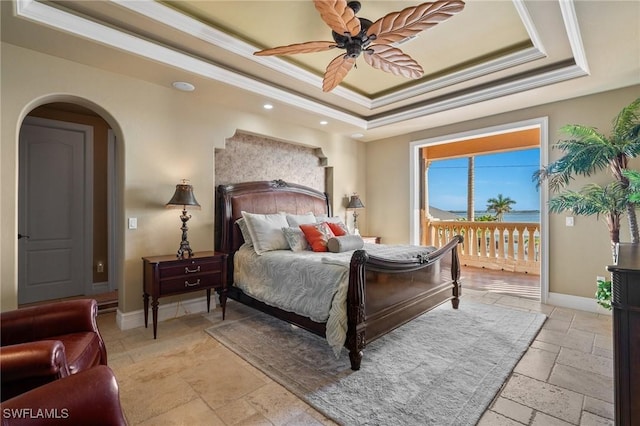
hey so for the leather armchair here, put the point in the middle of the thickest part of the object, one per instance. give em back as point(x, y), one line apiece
point(43, 343)
point(90, 397)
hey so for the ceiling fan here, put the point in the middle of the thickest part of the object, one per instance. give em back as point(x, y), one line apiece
point(374, 39)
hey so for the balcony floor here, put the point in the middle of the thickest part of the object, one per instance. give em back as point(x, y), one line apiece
point(501, 282)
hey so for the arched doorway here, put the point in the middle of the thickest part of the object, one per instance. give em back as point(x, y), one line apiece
point(66, 205)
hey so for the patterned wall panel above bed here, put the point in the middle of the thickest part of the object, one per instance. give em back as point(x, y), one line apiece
point(249, 157)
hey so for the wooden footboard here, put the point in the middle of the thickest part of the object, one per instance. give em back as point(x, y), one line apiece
point(384, 294)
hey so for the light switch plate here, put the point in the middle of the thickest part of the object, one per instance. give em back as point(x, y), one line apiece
point(133, 223)
point(568, 221)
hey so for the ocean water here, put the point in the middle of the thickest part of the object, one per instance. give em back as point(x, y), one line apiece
point(525, 216)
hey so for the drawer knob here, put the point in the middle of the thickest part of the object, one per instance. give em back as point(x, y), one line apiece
point(188, 284)
point(191, 271)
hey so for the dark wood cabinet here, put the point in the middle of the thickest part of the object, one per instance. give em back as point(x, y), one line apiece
point(625, 302)
point(168, 275)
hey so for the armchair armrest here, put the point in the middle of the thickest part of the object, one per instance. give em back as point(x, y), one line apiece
point(26, 366)
point(45, 321)
point(90, 397)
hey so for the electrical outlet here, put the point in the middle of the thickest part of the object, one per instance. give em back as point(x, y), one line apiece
point(133, 223)
point(568, 220)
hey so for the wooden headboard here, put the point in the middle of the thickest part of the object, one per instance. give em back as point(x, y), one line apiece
point(263, 197)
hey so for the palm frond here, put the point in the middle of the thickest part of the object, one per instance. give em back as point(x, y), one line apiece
point(627, 122)
point(592, 199)
point(634, 185)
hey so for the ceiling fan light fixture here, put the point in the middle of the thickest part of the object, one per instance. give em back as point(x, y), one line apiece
point(378, 40)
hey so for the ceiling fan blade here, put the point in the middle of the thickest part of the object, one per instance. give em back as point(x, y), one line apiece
point(338, 16)
point(393, 60)
point(308, 47)
point(336, 72)
point(397, 26)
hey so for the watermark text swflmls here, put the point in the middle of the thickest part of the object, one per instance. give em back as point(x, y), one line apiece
point(35, 413)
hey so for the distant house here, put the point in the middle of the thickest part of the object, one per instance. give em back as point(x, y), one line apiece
point(436, 213)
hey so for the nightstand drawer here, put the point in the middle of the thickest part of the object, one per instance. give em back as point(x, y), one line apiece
point(186, 283)
point(179, 269)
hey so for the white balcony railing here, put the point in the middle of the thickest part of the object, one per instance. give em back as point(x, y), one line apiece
point(506, 246)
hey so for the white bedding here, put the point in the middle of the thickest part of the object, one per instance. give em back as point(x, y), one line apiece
point(308, 283)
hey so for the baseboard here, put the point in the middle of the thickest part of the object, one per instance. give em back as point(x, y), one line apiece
point(576, 302)
point(129, 320)
point(101, 287)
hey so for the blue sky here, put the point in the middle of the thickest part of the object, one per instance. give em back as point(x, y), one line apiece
point(507, 173)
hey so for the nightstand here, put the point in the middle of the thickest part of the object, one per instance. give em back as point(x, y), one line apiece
point(371, 240)
point(168, 276)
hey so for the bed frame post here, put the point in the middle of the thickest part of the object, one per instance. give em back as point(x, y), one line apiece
point(356, 309)
point(455, 273)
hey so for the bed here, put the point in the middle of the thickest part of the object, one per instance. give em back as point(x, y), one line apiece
point(381, 292)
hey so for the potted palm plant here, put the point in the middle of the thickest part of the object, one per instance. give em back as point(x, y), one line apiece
point(586, 152)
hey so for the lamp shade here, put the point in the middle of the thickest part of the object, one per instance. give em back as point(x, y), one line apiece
point(355, 203)
point(183, 196)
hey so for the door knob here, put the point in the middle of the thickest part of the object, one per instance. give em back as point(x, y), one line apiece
point(20, 236)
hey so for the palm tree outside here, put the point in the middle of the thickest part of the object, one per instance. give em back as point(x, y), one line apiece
point(500, 206)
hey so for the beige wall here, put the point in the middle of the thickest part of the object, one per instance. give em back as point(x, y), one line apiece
point(164, 136)
point(576, 255)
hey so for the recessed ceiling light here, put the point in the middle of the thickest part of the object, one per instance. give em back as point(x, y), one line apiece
point(184, 86)
point(323, 122)
point(267, 106)
point(357, 135)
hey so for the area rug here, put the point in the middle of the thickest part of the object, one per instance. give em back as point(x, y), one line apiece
point(443, 368)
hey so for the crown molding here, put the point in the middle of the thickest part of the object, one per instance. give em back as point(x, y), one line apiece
point(506, 62)
point(488, 93)
point(568, 10)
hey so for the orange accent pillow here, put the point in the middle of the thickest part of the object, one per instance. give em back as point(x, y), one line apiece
point(317, 235)
point(338, 228)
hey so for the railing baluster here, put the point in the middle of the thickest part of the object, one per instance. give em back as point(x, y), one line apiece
point(520, 243)
point(492, 242)
point(501, 253)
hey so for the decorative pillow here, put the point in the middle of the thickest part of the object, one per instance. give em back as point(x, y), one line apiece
point(339, 229)
point(317, 235)
point(266, 231)
point(296, 220)
point(296, 239)
point(345, 243)
point(242, 224)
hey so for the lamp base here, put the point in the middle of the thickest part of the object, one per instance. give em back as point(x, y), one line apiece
point(184, 249)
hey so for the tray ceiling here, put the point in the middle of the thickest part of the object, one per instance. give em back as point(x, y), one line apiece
point(489, 51)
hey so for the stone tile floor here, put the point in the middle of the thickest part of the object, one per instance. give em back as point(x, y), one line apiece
point(186, 377)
